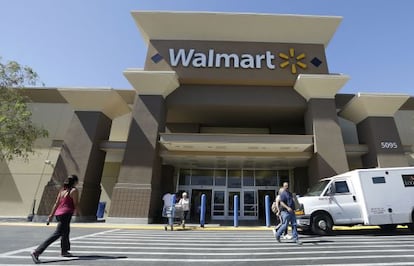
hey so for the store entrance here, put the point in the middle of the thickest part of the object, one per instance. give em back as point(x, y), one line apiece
point(223, 204)
point(221, 185)
point(262, 196)
point(196, 205)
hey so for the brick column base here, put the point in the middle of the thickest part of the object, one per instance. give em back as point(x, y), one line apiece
point(130, 201)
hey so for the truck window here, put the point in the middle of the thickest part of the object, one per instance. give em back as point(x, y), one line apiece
point(317, 189)
point(341, 187)
point(378, 180)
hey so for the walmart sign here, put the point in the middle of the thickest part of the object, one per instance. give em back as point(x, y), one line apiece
point(212, 59)
point(218, 60)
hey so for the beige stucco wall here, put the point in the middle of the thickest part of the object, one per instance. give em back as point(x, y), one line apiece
point(405, 123)
point(119, 132)
point(22, 182)
point(109, 179)
point(349, 131)
point(120, 128)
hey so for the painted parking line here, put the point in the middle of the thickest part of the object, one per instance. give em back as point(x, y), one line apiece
point(29, 249)
point(213, 248)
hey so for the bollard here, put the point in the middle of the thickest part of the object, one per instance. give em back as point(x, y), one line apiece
point(236, 211)
point(203, 210)
point(267, 210)
point(100, 212)
point(171, 218)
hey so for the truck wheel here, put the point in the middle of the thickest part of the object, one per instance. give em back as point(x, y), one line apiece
point(322, 224)
point(388, 227)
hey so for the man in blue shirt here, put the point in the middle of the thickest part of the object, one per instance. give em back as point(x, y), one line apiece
point(287, 206)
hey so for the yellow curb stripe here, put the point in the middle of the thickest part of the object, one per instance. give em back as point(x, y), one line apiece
point(178, 228)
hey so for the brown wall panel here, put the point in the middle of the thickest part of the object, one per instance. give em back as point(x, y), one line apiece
point(140, 171)
point(384, 144)
point(80, 155)
point(322, 122)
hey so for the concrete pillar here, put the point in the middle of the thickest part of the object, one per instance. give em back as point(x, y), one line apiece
point(137, 193)
point(374, 116)
point(384, 143)
point(321, 121)
point(329, 157)
point(82, 156)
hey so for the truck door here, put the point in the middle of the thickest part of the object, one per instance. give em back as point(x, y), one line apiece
point(343, 203)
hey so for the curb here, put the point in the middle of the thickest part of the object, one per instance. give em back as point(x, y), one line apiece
point(190, 227)
point(144, 227)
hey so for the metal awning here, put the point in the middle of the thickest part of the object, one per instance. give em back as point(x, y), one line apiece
point(236, 150)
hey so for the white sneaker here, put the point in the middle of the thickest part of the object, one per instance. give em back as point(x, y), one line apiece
point(288, 237)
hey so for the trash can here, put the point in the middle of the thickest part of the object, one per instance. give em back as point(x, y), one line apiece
point(101, 210)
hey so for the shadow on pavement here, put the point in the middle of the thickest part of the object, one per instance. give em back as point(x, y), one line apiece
point(88, 257)
point(367, 232)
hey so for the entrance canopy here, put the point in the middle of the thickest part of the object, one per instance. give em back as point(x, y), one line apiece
point(236, 150)
point(245, 27)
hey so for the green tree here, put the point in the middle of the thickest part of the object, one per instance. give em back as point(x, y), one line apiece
point(17, 131)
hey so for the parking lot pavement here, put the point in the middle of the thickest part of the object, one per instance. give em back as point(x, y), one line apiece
point(124, 246)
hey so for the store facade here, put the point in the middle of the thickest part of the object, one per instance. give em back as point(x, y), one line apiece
point(226, 104)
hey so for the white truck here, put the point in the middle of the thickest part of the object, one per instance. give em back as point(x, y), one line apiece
point(377, 196)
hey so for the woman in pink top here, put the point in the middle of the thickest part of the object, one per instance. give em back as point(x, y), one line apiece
point(65, 206)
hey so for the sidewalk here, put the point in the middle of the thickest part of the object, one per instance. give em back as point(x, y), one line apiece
point(190, 227)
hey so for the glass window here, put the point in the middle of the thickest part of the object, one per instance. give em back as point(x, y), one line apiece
point(231, 202)
point(185, 175)
point(249, 197)
point(219, 197)
point(249, 203)
point(266, 178)
point(248, 178)
point(218, 203)
point(341, 187)
point(317, 189)
point(234, 180)
point(283, 176)
point(220, 177)
point(201, 177)
point(378, 180)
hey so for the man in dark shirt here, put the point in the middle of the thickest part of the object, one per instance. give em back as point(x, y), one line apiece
point(287, 205)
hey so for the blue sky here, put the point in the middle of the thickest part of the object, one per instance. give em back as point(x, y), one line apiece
point(89, 43)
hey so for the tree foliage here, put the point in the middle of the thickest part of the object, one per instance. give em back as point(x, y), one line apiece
point(17, 130)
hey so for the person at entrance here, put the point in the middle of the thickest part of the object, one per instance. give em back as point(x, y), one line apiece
point(167, 198)
point(287, 205)
point(185, 205)
point(65, 206)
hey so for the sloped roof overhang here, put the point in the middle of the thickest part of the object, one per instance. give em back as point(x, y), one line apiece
point(238, 27)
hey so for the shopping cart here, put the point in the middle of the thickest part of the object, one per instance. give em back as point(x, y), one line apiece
point(175, 215)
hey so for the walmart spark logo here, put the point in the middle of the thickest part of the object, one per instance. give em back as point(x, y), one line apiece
point(292, 60)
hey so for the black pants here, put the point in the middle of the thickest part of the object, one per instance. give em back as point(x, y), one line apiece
point(62, 231)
